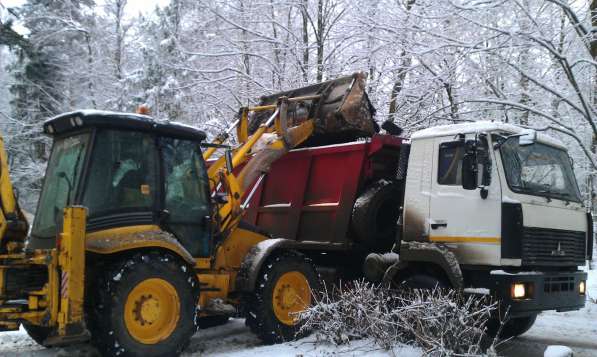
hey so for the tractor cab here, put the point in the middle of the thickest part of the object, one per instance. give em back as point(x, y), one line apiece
point(128, 170)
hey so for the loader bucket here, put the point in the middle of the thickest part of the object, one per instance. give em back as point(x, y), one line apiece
point(342, 113)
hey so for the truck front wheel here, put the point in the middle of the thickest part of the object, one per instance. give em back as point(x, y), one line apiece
point(514, 327)
point(144, 304)
point(283, 290)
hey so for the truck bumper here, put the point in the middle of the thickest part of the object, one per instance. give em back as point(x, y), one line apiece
point(558, 291)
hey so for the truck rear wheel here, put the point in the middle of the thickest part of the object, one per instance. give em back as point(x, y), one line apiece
point(375, 216)
point(145, 304)
point(284, 289)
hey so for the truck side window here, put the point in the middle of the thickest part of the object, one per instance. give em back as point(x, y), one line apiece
point(449, 166)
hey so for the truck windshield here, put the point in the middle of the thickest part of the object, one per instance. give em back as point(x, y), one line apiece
point(539, 169)
point(60, 183)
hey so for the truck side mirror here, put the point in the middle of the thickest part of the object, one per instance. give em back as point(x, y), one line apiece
point(470, 169)
point(527, 138)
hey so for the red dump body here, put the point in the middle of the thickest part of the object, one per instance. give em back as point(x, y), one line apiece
point(309, 194)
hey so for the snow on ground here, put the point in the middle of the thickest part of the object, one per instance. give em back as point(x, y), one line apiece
point(575, 329)
point(230, 340)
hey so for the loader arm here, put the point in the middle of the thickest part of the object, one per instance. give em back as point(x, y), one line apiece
point(337, 108)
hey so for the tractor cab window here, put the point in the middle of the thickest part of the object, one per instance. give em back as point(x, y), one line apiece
point(186, 191)
point(62, 177)
point(122, 176)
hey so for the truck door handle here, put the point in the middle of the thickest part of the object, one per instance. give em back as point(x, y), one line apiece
point(437, 225)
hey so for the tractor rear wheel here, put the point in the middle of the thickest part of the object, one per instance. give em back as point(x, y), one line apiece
point(144, 305)
point(284, 289)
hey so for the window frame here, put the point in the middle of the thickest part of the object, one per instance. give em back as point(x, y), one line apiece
point(447, 145)
point(549, 196)
point(79, 185)
point(163, 191)
point(126, 216)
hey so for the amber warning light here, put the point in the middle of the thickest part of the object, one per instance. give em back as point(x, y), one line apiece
point(143, 109)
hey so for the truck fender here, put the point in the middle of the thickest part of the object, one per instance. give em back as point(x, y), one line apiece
point(421, 252)
point(118, 240)
point(254, 260)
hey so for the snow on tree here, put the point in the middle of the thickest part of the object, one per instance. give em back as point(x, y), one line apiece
point(429, 62)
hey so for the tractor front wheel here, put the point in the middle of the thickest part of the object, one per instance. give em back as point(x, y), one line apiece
point(144, 305)
point(284, 289)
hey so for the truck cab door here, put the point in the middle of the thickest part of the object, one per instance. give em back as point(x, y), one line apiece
point(463, 219)
point(186, 202)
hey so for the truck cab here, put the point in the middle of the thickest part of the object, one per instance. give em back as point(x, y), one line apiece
point(505, 203)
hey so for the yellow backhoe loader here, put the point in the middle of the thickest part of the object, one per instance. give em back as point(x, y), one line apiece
point(136, 238)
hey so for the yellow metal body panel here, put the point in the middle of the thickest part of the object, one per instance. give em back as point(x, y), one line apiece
point(220, 279)
point(71, 259)
point(121, 239)
point(232, 251)
point(202, 263)
point(9, 206)
point(215, 286)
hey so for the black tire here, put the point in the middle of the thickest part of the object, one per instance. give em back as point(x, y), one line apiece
point(212, 321)
point(514, 327)
point(39, 333)
point(424, 281)
point(375, 216)
point(259, 306)
point(108, 297)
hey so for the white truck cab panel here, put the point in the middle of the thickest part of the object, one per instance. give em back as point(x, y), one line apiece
point(438, 209)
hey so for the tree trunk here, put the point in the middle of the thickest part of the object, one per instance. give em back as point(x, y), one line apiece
point(401, 76)
point(320, 38)
point(305, 16)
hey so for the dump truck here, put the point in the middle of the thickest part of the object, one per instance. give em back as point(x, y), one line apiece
point(135, 239)
point(485, 207)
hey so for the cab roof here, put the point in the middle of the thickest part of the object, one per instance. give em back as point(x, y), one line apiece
point(80, 119)
point(479, 127)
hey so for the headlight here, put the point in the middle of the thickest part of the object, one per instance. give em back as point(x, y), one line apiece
point(519, 291)
point(582, 287)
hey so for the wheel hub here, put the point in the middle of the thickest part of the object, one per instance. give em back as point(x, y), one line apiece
point(291, 295)
point(147, 309)
point(152, 311)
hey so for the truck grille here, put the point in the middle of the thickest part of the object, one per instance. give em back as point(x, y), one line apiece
point(552, 247)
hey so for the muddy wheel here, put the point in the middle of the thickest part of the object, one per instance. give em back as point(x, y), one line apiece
point(284, 289)
point(514, 327)
point(375, 215)
point(144, 305)
point(424, 281)
point(39, 333)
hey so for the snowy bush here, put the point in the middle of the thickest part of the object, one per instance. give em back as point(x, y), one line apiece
point(441, 322)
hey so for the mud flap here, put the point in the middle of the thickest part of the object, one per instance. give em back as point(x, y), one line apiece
point(433, 253)
point(253, 262)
